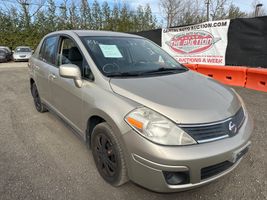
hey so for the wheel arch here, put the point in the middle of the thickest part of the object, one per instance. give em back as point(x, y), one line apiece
point(99, 116)
point(31, 83)
point(91, 124)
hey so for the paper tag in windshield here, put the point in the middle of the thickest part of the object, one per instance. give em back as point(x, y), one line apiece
point(110, 51)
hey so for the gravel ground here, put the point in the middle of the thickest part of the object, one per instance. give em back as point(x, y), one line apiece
point(40, 158)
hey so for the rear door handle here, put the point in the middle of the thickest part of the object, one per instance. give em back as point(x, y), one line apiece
point(35, 67)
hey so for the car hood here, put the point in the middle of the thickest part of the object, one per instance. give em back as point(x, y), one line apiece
point(185, 98)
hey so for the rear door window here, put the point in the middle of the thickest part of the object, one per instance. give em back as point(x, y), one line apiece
point(48, 50)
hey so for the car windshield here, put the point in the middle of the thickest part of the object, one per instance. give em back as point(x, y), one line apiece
point(5, 48)
point(129, 56)
point(23, 49)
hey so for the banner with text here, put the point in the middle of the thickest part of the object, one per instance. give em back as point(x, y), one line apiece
point(203, 43)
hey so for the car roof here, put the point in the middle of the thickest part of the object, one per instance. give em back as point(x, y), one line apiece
point(96, 33)
point(23, 47)
point(5, 47)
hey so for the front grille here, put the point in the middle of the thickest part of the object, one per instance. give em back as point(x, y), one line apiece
point(220, 167)
point(215, 131)
point(215, 169)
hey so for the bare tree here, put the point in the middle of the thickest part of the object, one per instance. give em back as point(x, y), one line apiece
point(193, 12)
point(225, 9)
point(219, 9)
point(171, 9)
point(235, 12)
point(261, 10)
point(29, 9)
point(186, 12)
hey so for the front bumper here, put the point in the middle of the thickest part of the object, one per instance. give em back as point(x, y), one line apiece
point(18, 58)
point(3, 59)
point(147, 161)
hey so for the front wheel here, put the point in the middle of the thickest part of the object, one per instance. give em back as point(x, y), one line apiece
point(108, 155)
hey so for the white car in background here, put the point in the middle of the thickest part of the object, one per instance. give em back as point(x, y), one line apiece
point(22, 53)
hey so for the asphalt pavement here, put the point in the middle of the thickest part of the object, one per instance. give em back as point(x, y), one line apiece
point(41, 158)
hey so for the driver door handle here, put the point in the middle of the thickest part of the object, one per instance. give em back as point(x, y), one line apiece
point(52, 76)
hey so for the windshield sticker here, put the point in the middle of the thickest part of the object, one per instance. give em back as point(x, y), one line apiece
point(110, 51)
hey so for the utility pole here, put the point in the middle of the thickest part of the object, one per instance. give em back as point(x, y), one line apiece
point(257, 9)
point(208, 9)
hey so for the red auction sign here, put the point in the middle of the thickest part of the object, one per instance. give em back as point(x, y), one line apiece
point(201, 43)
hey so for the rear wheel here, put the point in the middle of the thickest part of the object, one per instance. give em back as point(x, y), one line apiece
point(108, 155)
point(36, 99)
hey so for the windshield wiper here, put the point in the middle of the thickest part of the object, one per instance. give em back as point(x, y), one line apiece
point(122, 74)
point(149, 72)
point(164, 70)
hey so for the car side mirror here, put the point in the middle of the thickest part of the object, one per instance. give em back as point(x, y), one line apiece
point(71, 71)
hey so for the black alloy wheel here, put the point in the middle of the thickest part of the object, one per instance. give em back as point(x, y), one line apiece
point(108, 155)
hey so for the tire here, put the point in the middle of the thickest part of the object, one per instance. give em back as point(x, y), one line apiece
point(108, 155)
point(36, 99)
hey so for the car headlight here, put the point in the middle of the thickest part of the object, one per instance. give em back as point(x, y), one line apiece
point(157, 128)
